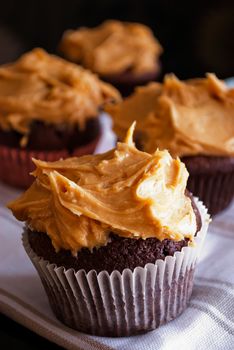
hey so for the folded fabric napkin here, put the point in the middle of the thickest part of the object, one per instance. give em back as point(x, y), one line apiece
point(208, 323)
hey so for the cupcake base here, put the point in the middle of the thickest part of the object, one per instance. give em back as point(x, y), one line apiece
point(118, 254)
point(53, 137)
point(127, 81)
point(16, 164)
point(121, 304)
point(212, 180)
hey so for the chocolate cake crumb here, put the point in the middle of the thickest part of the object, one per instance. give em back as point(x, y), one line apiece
point(48, 137)
point(126, 82)
point(119, 253)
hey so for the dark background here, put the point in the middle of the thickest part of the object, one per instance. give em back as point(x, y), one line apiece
point(197, 36)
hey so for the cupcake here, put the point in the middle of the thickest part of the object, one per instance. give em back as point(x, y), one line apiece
point(194, 120)
point(115, 238)
point(121, 53)
point(49, 109)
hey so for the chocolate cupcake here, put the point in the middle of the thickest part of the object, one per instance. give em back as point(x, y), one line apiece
point(115, 238)
point(121, 53)
point(49, 109)
point(194, 120)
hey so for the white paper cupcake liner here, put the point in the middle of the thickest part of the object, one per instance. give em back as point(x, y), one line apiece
point(122, 304)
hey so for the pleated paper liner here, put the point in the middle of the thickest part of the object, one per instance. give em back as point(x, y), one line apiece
point(215, 190)
point(121, 304)
point(16, 164)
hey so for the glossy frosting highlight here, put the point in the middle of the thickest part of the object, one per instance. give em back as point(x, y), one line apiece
point(44, 87)
point(79, 201)
point(113, 48)
point(186, 117)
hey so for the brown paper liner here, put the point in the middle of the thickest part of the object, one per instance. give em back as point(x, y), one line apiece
point(215, 190)
point(16, 164)
point(121, 304)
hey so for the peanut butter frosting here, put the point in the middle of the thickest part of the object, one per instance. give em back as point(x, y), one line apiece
point(79, 201)
point(113, 48)
point(186, 117)
point(40, 86)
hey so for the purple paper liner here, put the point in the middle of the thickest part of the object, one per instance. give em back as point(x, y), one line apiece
point(121, 304)
point(215, 190)
point(16, 164)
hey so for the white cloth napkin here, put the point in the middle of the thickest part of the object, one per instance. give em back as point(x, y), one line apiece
point(208, 323)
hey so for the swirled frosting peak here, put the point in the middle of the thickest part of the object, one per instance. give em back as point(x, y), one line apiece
point(40, 86)
point(186, 117)
point(79, 201)
point(113, 47)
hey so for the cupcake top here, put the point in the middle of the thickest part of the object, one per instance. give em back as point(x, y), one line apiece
point(78, 202)
point(186, 117)
point(113, 48)
point(44, 87)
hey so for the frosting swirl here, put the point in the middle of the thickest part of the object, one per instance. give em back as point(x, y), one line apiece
point(186, 117)
point(44, 87)
point(113, 47)
point(79, 201)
